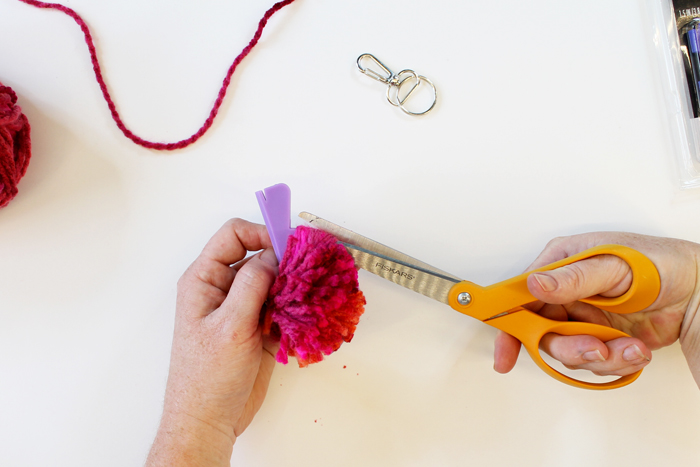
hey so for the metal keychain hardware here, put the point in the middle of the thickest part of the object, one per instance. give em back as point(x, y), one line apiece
point(404, 79)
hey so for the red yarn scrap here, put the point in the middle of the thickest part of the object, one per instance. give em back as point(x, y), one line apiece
point(15, 144)
point(315, 303)
point(110, 103)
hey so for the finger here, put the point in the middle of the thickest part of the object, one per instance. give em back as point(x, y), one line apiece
point(229, 245)
point(270, 345)
point(575, 311)
point(620, 357)
point(587, 313)
point(234, 240)
point(606, 275)
point(558, 249)
point(553, 312)
point(505, 353)
point(563, 247)
point(258, 392)
point(240, 264)
point(574, 351)
point(205, 284)
point(240, 311)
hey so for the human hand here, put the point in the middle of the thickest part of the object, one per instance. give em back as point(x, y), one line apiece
point(220, 367)
point(670, 317)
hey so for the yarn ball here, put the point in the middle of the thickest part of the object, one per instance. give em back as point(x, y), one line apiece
point(315, 303)
point(15, 145)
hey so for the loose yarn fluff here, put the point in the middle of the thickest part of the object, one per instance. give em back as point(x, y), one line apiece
point(15, 145)
point(315, 303)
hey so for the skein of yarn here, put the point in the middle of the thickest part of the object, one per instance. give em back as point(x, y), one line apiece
point(15, 144)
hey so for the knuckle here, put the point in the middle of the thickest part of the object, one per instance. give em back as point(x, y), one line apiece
point(255, 276)
point(202, 274)
point(236, 225)
point(184, 281)
point(234, 222)
point(567, 355)
point(554, 242)
point(250, 276)
point(572, 276)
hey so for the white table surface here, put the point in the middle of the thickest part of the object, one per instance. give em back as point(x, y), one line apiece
point(549, 123)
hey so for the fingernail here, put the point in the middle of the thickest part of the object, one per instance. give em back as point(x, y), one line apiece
point(633, 353)
point(593, 356)
point(547, 283)
point(269, 257)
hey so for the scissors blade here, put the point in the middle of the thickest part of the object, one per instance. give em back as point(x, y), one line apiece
point(352, 238)
point(388, 263)
point(419, 280)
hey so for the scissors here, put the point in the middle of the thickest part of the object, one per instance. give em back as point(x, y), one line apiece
point(501, 305)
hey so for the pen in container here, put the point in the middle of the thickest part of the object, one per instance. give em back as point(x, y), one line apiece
point(694, 56)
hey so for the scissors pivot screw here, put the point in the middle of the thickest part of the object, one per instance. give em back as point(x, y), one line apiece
point(464, 298)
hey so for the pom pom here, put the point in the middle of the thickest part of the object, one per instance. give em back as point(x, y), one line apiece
point(315, 303)
point(15, 145)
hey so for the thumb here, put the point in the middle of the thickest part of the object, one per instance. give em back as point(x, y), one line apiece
point(251, 285)
point(606, 275)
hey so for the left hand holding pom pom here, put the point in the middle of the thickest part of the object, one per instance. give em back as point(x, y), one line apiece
point(219, 370)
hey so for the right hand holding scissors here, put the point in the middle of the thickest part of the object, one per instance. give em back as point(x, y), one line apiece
point(670, 317)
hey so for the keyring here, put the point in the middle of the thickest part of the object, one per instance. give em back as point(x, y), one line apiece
point(396, 82)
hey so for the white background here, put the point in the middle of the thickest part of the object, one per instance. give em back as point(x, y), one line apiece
point(550, 122)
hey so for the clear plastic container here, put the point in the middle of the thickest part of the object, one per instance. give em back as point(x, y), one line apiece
point(676, 51)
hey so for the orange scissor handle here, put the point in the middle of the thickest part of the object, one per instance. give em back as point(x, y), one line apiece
point(529, 328)
point(509, 296)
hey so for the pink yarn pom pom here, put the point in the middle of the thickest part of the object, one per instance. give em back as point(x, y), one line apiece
point(315, 303)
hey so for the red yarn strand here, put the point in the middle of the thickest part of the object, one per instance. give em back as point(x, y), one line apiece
point(110, 103)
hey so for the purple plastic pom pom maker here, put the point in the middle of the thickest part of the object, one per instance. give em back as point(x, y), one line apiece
point(276, 206)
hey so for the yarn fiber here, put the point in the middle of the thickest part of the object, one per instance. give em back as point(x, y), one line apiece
point(15, 145)
point(108, 98)
point(315, 303)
